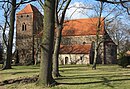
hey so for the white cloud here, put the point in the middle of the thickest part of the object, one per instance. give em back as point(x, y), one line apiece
point(77, 10)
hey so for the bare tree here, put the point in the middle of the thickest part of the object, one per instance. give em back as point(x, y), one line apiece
point(107, 17)
point(61, 7)
point(13, 7)
point(123, 3)
point(7, 63)
point(119, 31)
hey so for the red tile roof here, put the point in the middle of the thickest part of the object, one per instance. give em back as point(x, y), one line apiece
point(81, 27)
point(75, 49)
point(28, 9)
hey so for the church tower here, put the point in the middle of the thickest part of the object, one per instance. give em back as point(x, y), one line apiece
point(29, 22)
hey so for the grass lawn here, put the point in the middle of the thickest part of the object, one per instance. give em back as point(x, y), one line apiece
point(74, 77)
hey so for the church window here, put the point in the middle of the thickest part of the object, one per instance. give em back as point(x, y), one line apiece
point(66, 60)
point(81, 58)
point(23, 27)
point(84, 43)
point(21, 16)
point(27, 15)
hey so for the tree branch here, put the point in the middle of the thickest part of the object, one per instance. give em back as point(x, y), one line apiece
point(64, 11)
point(114, 2)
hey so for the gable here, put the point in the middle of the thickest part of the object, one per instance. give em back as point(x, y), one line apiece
point(28, 9)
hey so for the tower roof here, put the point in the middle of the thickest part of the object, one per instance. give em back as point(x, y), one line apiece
point(28, 9)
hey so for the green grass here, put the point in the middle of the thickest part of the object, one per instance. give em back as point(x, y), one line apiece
point(0, 65)
point(75, 77)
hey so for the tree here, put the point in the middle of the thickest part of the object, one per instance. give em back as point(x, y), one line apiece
point(98, 12)
point(97, 42)
point(119, 31)
point(7, 63)
point(59, 20)
point(14, 5)
point(123, 3)
point(6, 8)
point(45, 76)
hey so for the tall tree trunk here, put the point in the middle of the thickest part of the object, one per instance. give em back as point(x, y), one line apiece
point(95, 56)
point(45, 76)
point(33, 60)
point(97, 43)
point(7, 63)
point(56, 52)
point(59, 26)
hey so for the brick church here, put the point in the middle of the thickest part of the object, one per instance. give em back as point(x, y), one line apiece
point(77, 39)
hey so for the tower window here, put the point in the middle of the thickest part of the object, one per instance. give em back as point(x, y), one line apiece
point(23, 27)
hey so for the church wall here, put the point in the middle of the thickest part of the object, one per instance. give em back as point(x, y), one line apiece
point(74, 59)
point(80, 40)
point(69, 40)
point(110, 53)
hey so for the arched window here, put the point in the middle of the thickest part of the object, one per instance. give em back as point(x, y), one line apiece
point(66, 60)
point(27, 15)
point(21, 16)
point(84, 43)
point(23, 27)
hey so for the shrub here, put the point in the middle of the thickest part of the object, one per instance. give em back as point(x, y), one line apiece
point(124, 60)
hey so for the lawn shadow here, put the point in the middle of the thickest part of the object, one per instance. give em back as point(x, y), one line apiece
point(14, 73)
point(107, 82)
point(89, 76)
point(83, 77)
point(70, 66)
point(104, 81)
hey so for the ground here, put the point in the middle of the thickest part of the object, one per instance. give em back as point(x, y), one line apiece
point(1, 87)
point(73, 76)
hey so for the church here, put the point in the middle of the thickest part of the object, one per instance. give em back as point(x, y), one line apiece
point(76, 46)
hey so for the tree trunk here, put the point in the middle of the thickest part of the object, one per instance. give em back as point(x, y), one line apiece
point(7, 63)
point(95, 57)
point(97, 43)
point(45, 76)
point(56, 52)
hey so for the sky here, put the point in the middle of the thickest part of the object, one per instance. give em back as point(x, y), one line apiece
point(75, 3)
point(76, 15)
point(75, 12)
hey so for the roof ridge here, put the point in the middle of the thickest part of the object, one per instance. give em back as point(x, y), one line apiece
point(83, 19)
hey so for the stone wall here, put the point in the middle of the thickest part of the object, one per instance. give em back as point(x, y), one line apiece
point(110, 50)
point(28, 26)
point(74, 59)
point(110, 53)
point(24, 24)
point(25, 50)
point(80, 40)
point(69, 40)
